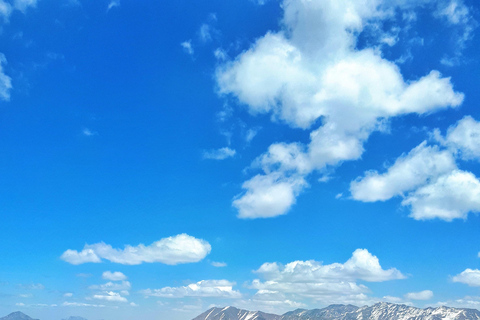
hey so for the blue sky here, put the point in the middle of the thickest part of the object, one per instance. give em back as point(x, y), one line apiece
point(162, 157)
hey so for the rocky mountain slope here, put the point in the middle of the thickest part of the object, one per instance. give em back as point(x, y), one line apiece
point(379, 311)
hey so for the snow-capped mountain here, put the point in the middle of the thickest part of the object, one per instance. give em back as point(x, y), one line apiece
point(231, 313)
point(379, 311)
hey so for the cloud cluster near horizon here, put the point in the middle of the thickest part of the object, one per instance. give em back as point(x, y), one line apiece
point(312, 70)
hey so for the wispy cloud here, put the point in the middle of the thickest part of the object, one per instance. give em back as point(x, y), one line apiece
point(219, 154)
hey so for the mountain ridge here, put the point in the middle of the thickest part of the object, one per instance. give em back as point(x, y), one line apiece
point(378, 311)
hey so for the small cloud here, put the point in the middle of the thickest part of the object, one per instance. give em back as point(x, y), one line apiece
point(20, 304)
point(187, 47)
point(338, 196)
point(114, 276)
point(88, 133)
point(220, 54)
point(469, 277)
point(133, 304)
point(68, 295)
point(422, 295)
point(113, 4)
point(205, 33)
point(25, 295)
point(219, 154)
point(251, 133)
point(218, 264)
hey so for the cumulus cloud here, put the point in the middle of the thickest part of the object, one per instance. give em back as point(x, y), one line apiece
point(110, 296)
point(172, 250)
point(268, 195)
point(114, 276)
point(335, 282)
point(470, 277)
point(408, 172)
point(463, 137)
point(428, 178)
point(219, 154)
point(422, 295)
point(311, 70)
point(451, 196)
point(204, 288)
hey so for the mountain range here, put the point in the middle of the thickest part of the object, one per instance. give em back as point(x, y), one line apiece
point(379, 311)
point(22, 316)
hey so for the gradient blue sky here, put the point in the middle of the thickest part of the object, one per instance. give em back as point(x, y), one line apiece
point(162, 157)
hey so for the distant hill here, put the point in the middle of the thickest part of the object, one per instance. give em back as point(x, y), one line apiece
point(379, 311)
point(17, 316)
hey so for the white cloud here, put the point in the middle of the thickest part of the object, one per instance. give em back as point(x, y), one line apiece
point(451, 196)
point(218, 264)
point(408, 172)
point(113, 4)
point(22, 5)
point(87, 132)
point(311, 70)
point(187, 47)
point(204, 288)
point(110, 296)
point(172, 250)
point(463, 137)
point(111, 286)
point(114, 276)
point(79, 304)
point(469, 277)
point(5, 81)
point(422, 295)
point(205, 33)
point(219, 154)
point(68, 295)
point(268, 195)
point(330, 283)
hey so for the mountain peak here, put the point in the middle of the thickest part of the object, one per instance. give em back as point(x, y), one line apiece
point(17, 315)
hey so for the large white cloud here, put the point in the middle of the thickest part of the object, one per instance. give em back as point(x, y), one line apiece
point(336, 282)
point(451, 196)
point(311, 70)
point(408, 172)
point(469, 276)
point(204, 288)
point(172, 250)
point(428, 177)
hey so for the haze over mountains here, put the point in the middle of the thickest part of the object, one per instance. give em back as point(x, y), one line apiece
point(379, 311)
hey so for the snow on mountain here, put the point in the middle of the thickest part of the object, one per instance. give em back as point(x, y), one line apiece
point(379, 311)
